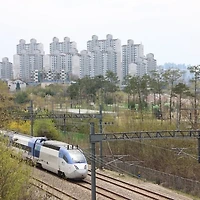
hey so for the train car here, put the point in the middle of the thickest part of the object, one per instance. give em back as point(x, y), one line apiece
point(58, 157)
point(22, 144)
point(62, 158)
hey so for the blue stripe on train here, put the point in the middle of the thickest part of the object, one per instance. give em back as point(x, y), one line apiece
point(37, 150)
point(34, 143)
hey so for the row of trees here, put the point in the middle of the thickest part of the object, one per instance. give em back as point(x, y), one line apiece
point(90, 88)
point(158, 83)
point(161, 82)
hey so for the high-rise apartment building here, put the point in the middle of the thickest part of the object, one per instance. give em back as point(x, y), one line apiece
point(62, 60)
point(134, 62)
point(6, 69)
point(85, 64)
point(28, 61)
point(132, 55)
point(151, 63)
point(141, 67)
point(128, 57)
point(103, 45)
point(63, 47)
point(105, 56)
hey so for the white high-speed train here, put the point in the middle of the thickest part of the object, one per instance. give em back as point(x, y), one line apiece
point(58, 157)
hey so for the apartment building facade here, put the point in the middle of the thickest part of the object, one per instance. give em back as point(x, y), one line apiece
point(62, 60)
point(6, 69)
point(28, 61)
point(105, 56)
point(134, 62)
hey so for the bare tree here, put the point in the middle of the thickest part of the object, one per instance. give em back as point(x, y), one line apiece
point(196, 71)
point(171, 76)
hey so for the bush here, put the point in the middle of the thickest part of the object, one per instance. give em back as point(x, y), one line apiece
point(14, 176)
point(21, 98)
point(46, 128)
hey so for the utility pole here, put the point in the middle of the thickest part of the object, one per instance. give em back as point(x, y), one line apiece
point(195, 100)
point(100, 143)
point(199, 146)
point(31, 116)
point(64, 120)
point(93, 158)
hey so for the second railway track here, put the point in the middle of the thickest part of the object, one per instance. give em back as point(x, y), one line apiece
point(50, 190)
point(130, 188)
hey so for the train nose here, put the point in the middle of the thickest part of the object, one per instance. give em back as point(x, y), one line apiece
point(81, 171)
point(77, 167)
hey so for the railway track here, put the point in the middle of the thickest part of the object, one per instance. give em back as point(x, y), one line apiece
point(107, 187)
point(102, 191)
point(50, 190)
point(84, 184)
point(130, 188)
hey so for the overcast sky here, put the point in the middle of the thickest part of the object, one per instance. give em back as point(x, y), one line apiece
point(168, 28)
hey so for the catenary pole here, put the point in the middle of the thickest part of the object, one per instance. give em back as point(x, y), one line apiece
point(93, 174)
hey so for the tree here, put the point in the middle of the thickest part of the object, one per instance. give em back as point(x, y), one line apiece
point(111, 85)
point(46, 128)
point(6, 104)
point(100, 88)
point(73, 91)
point(127, 88)
point(21, 97)
point(157, 84)
point(196, 71)
point(111, 81)
point(14, 176)
point(137, 87)
point(180, 89)
point(145, 90)
point(130, 88)
point(171, 76)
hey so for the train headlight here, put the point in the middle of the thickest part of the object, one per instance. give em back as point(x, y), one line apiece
point(76, 167)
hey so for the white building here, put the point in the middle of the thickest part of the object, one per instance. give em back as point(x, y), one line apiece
point(132, 55)
point(6, 69)
point(138, 52)
point(151, 63)
point(28, 61)
point(105, 55)
point(16, 83)
point(63, 47)
point(132, 69)
point(30, 48)
point(104, 44)
point(62, 60)
point(141, 67)
point(128, 57)
point(85, 64)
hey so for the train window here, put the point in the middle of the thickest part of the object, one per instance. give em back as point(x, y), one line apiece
point(77, 156)
point(21, 146)
point(65, 158)
point(51, 146)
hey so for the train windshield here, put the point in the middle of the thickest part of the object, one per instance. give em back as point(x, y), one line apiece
point(77, 156)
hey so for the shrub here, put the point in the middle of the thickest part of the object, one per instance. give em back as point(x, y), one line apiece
point(46, 128)
point(14, 176)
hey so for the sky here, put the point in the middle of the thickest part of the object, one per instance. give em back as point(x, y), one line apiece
point(170, 29)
